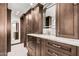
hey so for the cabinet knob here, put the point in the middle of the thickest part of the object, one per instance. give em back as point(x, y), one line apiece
point(52, 53)
point(54, 45)
point(55, 54)
point(38, 41)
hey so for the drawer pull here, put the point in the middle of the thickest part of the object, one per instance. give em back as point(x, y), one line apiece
point(54, 45)
point(52, 53)
point(61, 47)
point(38, 41)
point(55, 54)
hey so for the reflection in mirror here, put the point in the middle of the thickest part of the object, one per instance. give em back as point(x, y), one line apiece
point(48, 22)
point(49, 19)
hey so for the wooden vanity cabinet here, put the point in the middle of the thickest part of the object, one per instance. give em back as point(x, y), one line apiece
point(35, 46)
point(43, 47)
point(77, 51)
point(31, 46)
point(53, 48)
point(67, 20)
point(38, 47)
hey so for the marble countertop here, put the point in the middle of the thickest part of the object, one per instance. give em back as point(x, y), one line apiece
point(69, 41)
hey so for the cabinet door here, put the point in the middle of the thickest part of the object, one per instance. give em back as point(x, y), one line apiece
point(31, 46)
point(26, 30)
point(30, 22)
point(38, 19)
point(66, 20)
point(77, 51)
point(8, 30)
point(21, 29)
point(43, 48)
point(61, 47)
point(3, 29)
point(38, 47)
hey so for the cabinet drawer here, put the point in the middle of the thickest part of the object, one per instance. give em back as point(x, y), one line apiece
point(52, 52)
point(64, 48)
point(30, 38)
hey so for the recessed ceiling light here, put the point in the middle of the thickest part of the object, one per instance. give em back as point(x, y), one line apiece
point(17, 13)
point(31, 3)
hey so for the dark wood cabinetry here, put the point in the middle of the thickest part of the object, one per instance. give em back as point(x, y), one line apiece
point(3, 29)
point(22, 28)
point(77, 51)
point(60, 49)
point(38, 47)
point(29, 24)
point(44, 47)
point(32, 22)
point(34, 46)
point(67, 20)
point(26, 30)
point(66, 26)
point(8, 30)
point(31, 46)
point(34, 25)
point(38, 19)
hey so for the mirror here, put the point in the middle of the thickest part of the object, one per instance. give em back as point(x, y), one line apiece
point(49, 20)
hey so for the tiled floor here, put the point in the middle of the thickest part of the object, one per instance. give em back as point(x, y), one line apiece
point(13, 41)
point(18, 50)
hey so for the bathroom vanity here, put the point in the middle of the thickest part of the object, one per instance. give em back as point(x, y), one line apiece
point(47, 45)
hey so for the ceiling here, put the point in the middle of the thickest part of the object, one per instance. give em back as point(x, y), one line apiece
point(18, 8)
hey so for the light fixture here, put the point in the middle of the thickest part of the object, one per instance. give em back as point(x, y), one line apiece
point(31, 4)
point(17, 13)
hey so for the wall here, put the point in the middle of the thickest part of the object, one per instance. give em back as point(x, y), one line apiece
point(50, 12)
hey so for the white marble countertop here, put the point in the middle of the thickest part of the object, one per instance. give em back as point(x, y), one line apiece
point(69, 41)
